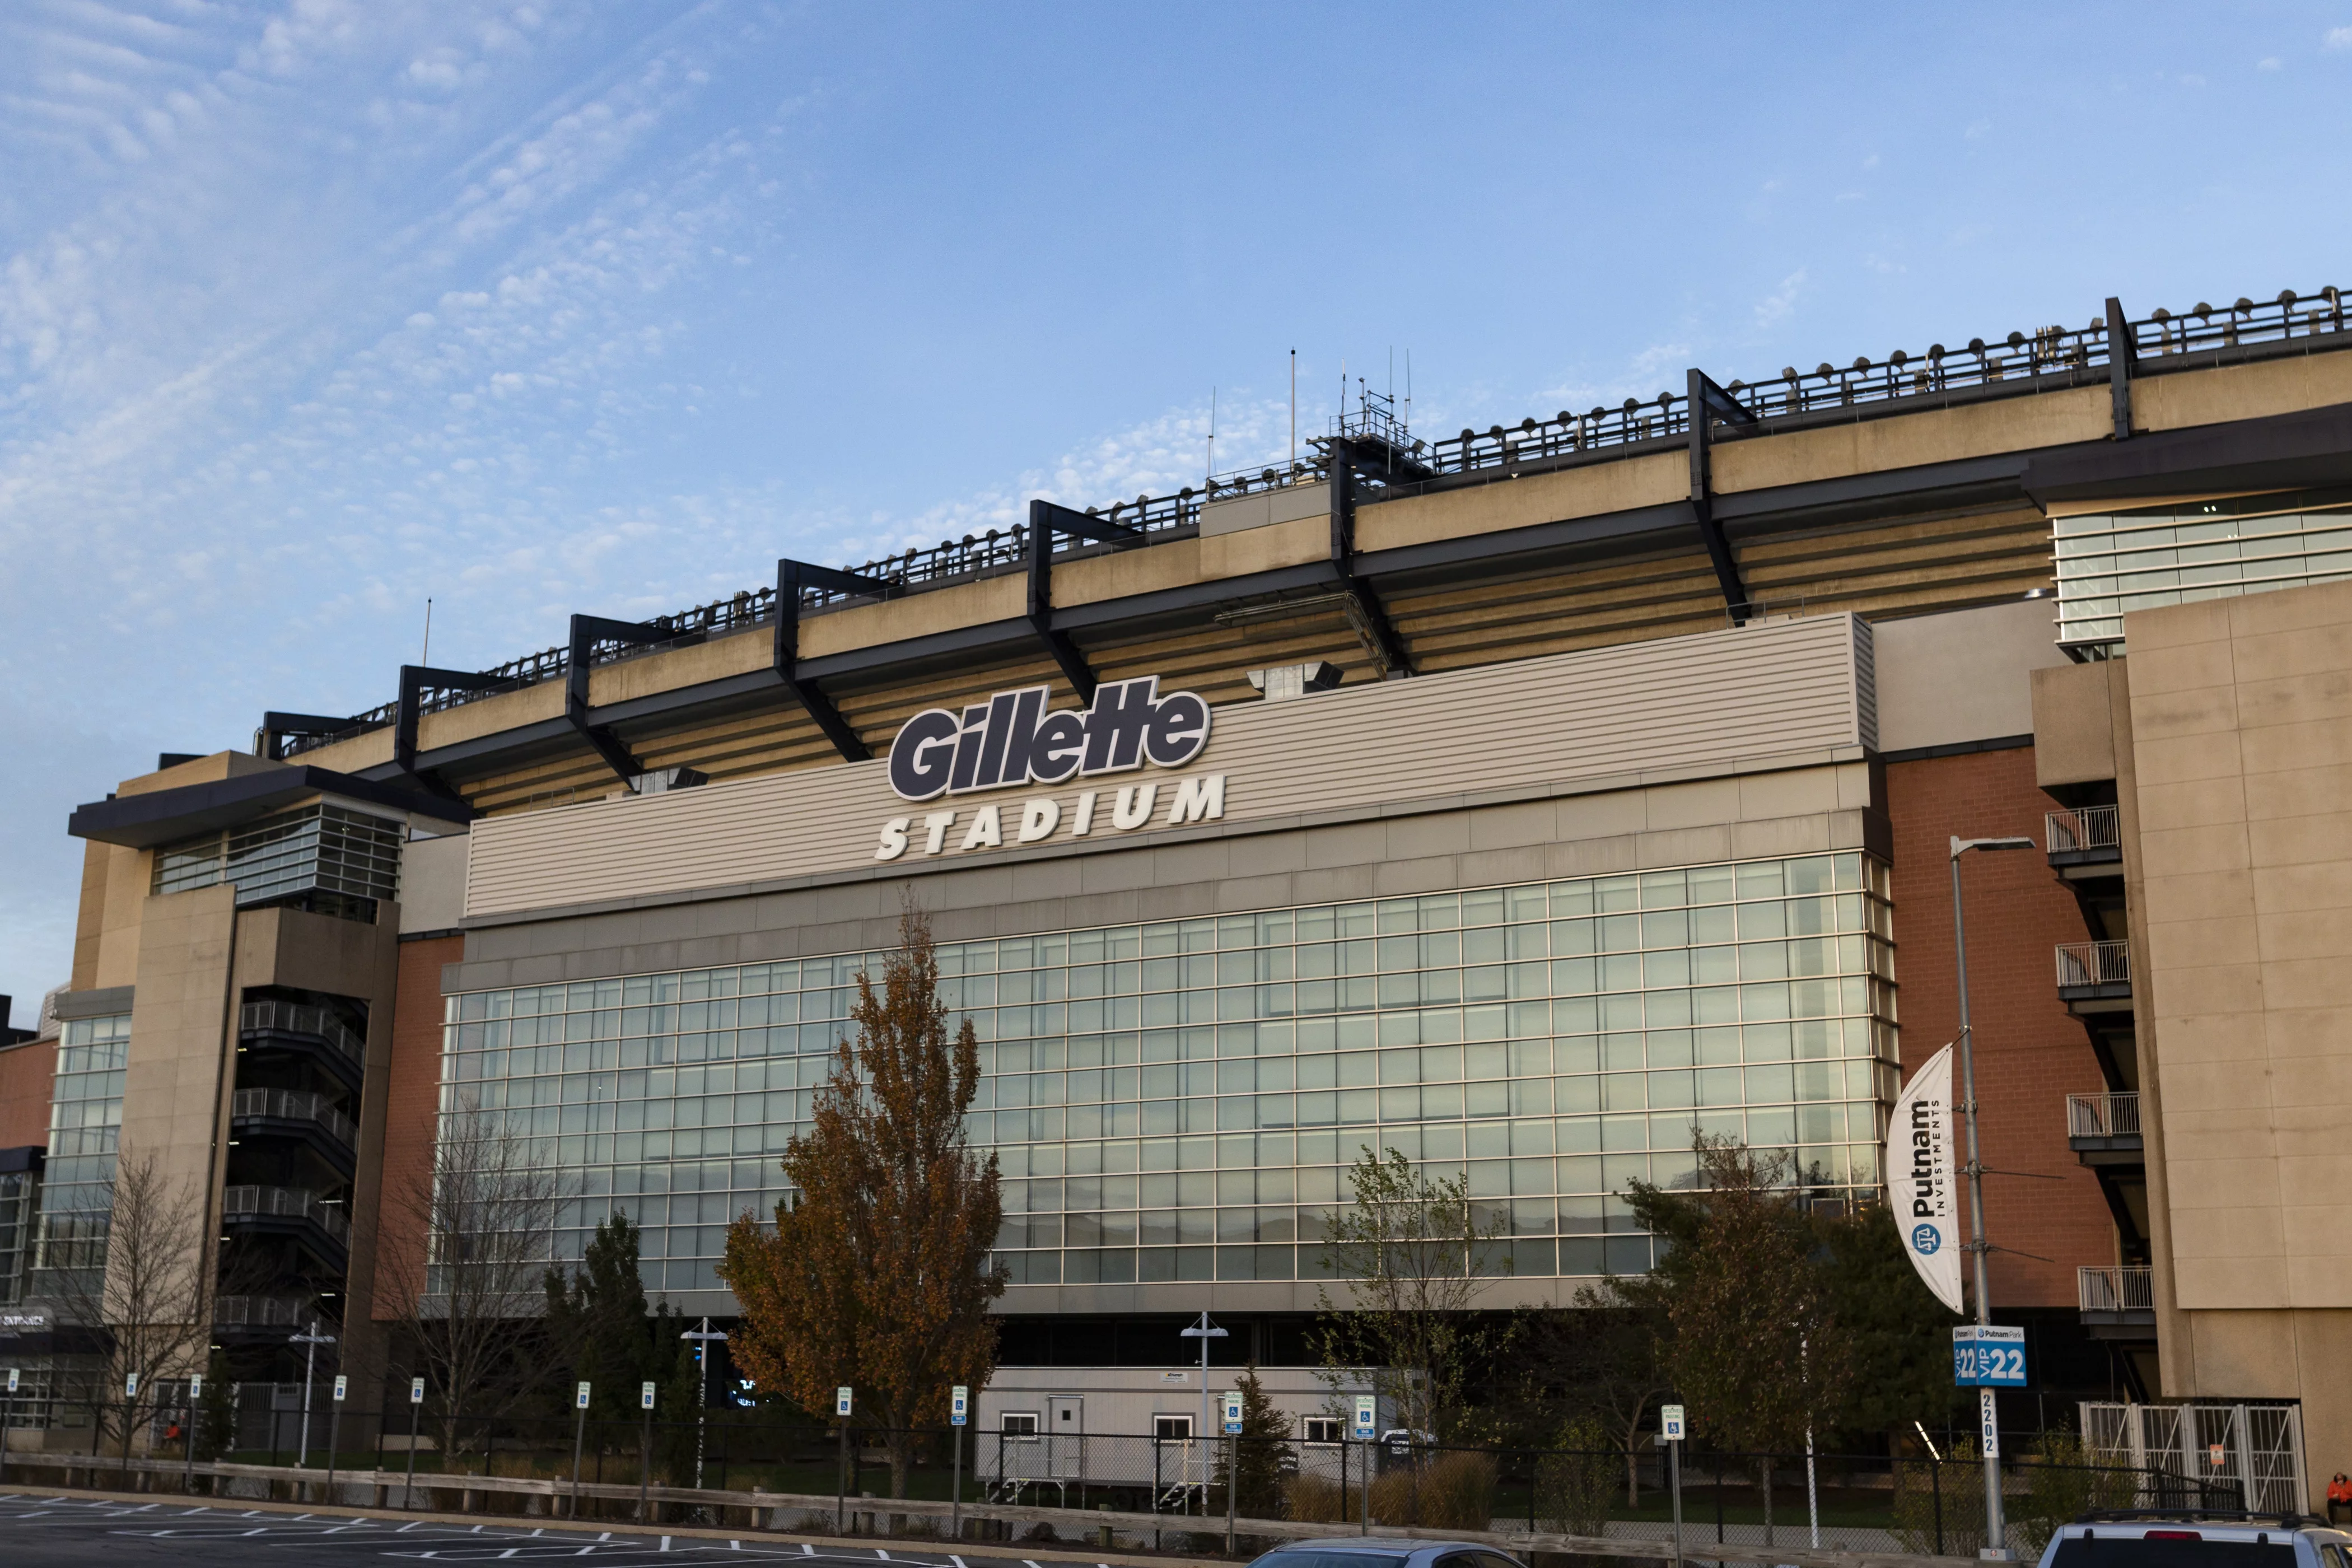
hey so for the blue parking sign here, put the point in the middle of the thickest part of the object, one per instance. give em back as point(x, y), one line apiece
point(1987, 1355)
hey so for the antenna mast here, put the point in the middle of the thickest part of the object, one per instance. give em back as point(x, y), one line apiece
point(426, 657)
point(1212, 436)
point(1294, 408)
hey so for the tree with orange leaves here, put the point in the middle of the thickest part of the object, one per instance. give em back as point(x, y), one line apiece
point(874, 1274)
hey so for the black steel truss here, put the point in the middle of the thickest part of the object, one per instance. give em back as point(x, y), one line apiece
point(277, 728)
point(791, 577)
point(416, 681)
point(1046, 520)
point(1710, 405)
point(1349, 462)
point(587, 631)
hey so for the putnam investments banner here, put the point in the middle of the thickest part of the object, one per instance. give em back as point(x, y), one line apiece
point(1919, 1177)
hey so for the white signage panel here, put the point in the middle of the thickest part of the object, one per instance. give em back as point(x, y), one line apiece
point(1921, 1182)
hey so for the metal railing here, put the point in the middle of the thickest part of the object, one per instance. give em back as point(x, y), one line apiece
point(2102, 1116)
point(296, 1018)
point(2095, 963)
point(295, 1105)
point(2083, 829)
point(2116, 1289)
point(258, 1311)
point(2040, 359)
point(286, 1203)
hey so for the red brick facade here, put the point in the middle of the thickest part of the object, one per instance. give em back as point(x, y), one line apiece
point(25, 1075)
point(410, 1105)
point(2030, 1054)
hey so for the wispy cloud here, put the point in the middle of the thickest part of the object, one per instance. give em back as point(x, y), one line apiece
point(1782, 303)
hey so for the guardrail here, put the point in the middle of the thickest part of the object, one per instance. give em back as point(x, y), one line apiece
point(295, 1105)
point(2095, 963)
point(2116, 1289)
point(2029, 362)
point(286, 1202)
point(2083, 829)
point(300, 1018)
point(2102, 1116)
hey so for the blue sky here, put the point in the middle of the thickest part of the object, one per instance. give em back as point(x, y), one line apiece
point(311, 309)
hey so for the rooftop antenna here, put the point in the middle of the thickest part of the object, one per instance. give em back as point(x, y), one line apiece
point(1408, 388)
point(426, 657)
point(1294, 408)
point(1212, 435)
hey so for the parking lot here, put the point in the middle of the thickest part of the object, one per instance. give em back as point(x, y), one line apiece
point(56, 1531)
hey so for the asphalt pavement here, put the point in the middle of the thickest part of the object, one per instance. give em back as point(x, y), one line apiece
point(57, 1531)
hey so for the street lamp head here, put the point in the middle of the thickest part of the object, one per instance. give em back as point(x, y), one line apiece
point(1962, 846)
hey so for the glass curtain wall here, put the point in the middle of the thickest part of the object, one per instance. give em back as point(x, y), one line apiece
point(1179, 1099)
point(77, 1179)
point(2113, 563)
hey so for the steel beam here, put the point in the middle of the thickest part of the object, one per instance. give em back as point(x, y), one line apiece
point(1379, 632)
point(416, 681)
point(276, 727)
point(1045, 521)
point(587, 631)
point(2122, 359)
point(791, 576)
point(1709, 402)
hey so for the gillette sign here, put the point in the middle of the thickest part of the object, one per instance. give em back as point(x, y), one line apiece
point(1010, 741)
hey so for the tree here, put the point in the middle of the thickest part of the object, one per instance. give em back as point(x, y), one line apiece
point(470, 1287)
point(1898, 1335)
point(598, 1322)
point(1412, 1252)
point(146, 1283)
point(1603, 1360)
point(1262, 1460)
point(876, 1276)
point(1753, 1352)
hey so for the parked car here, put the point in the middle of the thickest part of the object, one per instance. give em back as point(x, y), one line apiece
point(2196, 1538)
point(1378, 1552)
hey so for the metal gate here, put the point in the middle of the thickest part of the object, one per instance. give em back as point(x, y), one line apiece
point(2254, 1451)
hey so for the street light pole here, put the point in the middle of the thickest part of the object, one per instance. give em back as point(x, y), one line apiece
point(1996, 1526)
point(1205, 1330)
point(702, 1336)
point(313, 1340)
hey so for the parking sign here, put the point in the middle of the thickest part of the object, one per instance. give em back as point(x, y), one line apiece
point(841, 1402)
point(1987, 1355)
point(1232, 1402)
point(580, 1397)
point(1368, 1416)
point(342, 1386)
point(1670, 1422)
point(644, 1396)
point(417, 1391)
point(959, 1405)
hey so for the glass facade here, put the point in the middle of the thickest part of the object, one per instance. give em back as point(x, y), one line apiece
point(85, 1117)
point(322, 849)
point(18, 1193)
point(2111, 564)
point(1179, 1099)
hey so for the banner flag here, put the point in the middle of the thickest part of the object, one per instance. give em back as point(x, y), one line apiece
point(1920, 1180)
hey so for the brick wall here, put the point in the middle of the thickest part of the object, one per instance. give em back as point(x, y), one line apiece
point(2029, 1053)
point(410, 1104)
point(25, 1075)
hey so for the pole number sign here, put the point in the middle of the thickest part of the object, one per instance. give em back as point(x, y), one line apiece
point(1988, 1356)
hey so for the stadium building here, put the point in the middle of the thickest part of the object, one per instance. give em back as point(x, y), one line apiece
point(1521, 801)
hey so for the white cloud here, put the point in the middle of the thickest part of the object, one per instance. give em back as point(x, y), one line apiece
point(1782, 303)
point(2270, 63)
point(2339, 38)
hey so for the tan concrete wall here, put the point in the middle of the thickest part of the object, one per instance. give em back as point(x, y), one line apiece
point(432, 883)
point(1943, 435)
point(128, 873)
point(179, 1075)
point(734, 654)
point(1589, 491)
point(2241, 392)
point(2074, 724)
point(916, 615)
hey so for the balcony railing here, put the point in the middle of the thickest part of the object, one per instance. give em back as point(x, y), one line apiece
point(257, 1312)
point(2113, 1289)
point(286, 1202)
point(2093, 963)
point(2084, 828)
point(295, 1018)
point(296, 1105)
point(2102, 1116)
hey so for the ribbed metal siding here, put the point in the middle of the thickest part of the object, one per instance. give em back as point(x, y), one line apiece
point(1616, 717)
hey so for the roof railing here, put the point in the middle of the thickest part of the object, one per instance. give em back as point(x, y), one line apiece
point(2084, 828)
point(2021, 359)
point(2103, 1115)
point(2114, 1288)
point(2093, 963)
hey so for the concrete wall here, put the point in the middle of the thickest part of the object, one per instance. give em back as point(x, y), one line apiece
point(26, 1074)
point(1963, 676)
